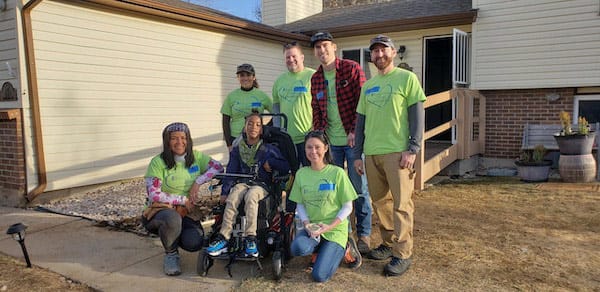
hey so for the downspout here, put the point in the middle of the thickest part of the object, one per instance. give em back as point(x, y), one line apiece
point(34, 101)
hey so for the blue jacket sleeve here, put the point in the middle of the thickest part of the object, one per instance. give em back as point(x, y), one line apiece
point(277, 161)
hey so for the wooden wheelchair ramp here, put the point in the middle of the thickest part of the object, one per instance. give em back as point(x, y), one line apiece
point(468, 133)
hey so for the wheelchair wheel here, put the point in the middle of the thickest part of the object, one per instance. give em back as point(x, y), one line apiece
point(288, 237)
point(204, 263)
point(277, 265)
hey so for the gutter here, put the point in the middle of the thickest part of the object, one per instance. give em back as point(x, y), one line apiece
point(146, 8)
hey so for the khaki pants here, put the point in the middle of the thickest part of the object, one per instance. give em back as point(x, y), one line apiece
point(251, 196)
point(391, 190)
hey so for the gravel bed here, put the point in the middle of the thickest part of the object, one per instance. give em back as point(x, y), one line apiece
point(120, 205)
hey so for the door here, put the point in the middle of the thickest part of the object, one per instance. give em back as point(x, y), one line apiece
point(438, 78)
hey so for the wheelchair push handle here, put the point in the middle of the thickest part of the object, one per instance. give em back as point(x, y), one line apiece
point(281, 116)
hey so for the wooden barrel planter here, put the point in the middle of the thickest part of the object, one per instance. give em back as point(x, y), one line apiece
point(577, 168)
point(576, 162)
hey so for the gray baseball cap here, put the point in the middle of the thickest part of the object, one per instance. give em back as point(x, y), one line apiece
point(382, 39)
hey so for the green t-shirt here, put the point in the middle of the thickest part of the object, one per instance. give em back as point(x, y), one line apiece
point(179, 179)
point(384, 101)
point(239, 104)
point(335, 129)
point(323, 193)
point(292, 91)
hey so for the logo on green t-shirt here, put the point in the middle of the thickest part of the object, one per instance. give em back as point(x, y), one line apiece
point(379, 96)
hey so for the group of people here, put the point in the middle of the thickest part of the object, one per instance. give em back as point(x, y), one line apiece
point(336, 117)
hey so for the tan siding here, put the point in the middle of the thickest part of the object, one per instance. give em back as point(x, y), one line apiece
point(9, 51)
point(536, 44)
point(109, 83)
point(277, 12)
point(273, 12)
point(297, 10)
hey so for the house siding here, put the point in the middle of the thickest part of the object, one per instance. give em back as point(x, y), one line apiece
point(109, 83)
point(9, 55)
point(536, 44)
point(297, 10)
point(273, 12)
point(278, 12)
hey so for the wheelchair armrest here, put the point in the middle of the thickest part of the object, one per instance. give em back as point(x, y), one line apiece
point(234, 175)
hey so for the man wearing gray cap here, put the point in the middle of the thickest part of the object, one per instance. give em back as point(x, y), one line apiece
point(391, 100)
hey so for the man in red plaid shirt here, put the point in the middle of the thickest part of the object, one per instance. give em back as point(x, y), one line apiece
point(335, 89)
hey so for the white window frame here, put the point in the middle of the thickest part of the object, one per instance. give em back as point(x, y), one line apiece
point(577, 99)
point(363, 63)
point(362, 53)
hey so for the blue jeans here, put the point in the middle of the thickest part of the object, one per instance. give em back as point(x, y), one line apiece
point(175, 231)
point(362, 205)
point(329, 255)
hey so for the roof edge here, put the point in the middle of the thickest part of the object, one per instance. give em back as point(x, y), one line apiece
point(205, 19)
point(461, 18)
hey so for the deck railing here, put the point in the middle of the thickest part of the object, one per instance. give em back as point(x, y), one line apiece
point(468, 122)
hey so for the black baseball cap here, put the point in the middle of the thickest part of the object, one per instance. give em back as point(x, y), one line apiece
point(320, 36)
point(245, 68)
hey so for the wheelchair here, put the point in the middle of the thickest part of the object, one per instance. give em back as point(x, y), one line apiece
point(275, 225)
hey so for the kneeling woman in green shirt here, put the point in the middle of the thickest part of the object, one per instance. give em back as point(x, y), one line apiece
point(324, 196)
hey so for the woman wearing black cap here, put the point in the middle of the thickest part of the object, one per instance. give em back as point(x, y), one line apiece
point(173, 179)
point(241, 102)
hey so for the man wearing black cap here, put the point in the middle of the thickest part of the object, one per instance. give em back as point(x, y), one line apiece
point(389, 130)
point(335, 89)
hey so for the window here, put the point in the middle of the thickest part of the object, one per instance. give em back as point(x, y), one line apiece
point(363, 57)
point(587, 106)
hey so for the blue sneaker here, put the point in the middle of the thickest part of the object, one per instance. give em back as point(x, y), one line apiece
point(251, 249)
point(218, 246)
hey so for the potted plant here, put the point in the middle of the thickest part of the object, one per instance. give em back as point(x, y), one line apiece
point(574, 142)
point(532, 166)
point(576, 162)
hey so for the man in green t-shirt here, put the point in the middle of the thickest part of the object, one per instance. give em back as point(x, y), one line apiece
point(389, 130)
point(291, 96)
point(335, 88)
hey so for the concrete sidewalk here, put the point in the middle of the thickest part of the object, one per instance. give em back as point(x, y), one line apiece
point(105, 259)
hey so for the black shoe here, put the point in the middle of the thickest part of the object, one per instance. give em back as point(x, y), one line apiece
point(396, 266)
point(381, 252)
point(352, 257)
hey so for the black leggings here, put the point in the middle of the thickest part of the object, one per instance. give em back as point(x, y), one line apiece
point(175, 231)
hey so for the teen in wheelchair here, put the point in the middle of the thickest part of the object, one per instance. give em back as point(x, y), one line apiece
point(256, 169)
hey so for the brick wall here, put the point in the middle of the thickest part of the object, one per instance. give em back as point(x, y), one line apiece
point(12, 157)
point(508, 110)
